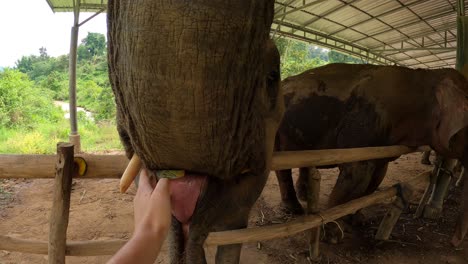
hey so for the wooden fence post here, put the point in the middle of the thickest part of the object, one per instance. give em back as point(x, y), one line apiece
point(393, 214)
point(313, 196)
point(58, 222)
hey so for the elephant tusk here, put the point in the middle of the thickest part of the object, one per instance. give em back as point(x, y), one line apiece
point(130, 173)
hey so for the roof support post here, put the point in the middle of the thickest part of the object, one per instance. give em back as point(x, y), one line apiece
point(461, 226)
point(462, 39)
point(74, 136)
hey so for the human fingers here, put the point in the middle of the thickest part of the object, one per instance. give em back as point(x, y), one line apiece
point(144, 183)
point(162, 185)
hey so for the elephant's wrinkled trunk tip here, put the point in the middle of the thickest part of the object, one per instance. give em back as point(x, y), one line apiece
point(130, 173)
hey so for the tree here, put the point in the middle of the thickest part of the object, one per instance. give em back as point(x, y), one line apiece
point(20, 103)
point(93, 45)
point(297, 57)
point(335, 57)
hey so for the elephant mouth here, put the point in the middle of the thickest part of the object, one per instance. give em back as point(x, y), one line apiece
point(185, 193)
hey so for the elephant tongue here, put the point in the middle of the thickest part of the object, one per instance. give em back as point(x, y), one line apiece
point(184, 196)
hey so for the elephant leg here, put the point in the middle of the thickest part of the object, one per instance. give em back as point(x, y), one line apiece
point(176, 242)
point(229, 254)
point(462, 223)
point(352, 182)
point(302, 183)
point(380, 171)
point(433, 208)
point(461, 176)
point(425, 157)
point(289, 201)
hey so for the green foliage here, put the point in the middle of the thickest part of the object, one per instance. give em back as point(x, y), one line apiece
point(21, 104)
point(335, 57)
point(93, 45)
point(297, 57)
point(29, 121)
point(43, 139)
point(94, 92)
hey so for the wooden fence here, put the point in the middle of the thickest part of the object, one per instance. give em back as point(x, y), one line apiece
point(112, 166)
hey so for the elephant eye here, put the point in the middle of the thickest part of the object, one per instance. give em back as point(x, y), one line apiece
point(273, 76)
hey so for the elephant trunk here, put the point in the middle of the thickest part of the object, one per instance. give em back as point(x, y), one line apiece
point(187, 77)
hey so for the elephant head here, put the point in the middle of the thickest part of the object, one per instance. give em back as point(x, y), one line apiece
point(197, 88)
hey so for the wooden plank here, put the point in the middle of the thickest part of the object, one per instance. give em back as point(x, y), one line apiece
point(112, 166)
point(306, 222)
point(58, 222)
point(74, 248)
point(43, 166)
point(393, 213)
point(300, 159)
point(313, 198)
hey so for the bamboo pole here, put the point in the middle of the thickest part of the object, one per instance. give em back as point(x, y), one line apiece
point(58, 222)
point(313, 198)
point(74, 248)
point(300, 159)
point(43, 166)
point(394, 212)
point(112, 166)
point(306, 222)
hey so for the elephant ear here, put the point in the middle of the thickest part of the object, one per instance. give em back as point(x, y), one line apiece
point(452, 110)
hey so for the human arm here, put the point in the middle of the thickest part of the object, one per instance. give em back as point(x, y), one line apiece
point(152, 221)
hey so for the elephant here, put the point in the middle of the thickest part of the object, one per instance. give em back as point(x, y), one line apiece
point(196, 85)
point(351, 105)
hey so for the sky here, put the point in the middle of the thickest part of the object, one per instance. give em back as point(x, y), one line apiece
point(27, 25)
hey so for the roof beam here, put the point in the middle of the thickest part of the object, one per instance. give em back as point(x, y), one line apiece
point(324, 40)
point(413, 49)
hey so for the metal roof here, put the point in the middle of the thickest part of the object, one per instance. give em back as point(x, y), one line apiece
point(85, 5)
point(413, 33)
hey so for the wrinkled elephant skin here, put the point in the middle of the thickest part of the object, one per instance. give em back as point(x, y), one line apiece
point(197, 88)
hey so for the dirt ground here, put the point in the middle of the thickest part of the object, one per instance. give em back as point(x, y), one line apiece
point(100, 212)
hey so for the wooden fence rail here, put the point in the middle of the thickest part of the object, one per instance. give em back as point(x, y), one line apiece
point(306, 222)
point(97, 248)
point(112, 166)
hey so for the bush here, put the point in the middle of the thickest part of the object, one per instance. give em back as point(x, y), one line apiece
point(23, 105)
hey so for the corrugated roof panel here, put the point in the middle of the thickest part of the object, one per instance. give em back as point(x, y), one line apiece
point(326, 26)
point(376, 7)
point(399, 18)
point(86, 5)
point(324, 7)
point(348, 16)
point(430, 7)
point(415, 29)
point(368, 43)
point(371, 27)
point(350, 35)
point(332, 15)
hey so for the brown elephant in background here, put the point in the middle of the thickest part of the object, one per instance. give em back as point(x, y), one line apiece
point(346, 106)
point(197, 88)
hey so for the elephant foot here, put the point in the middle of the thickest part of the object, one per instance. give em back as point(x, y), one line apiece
point(426, 161)
point(334, 232)
point(431, 212)
point(301, 191)
point(292, 207)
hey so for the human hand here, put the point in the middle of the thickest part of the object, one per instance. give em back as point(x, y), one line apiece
point(152, 207)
